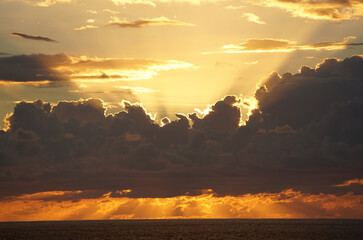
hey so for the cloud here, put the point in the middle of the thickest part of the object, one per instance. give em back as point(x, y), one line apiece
point(84, 111)
point(154, 2)
point(282, 129)
point(92, 11)
point(45, 3)
point(44, 206)
point(115, 22)
point(318, 9)
point(36, 68)
point(145, 22)
point(85, 27)
point(32, 37)
point(232, 7)
point(283, 93)
point(304, 132)
point(253, 18)
point(283, 45)
point(350, 182)
point(320, 108)
point(224, 116)
point(85, 69)
point(110, 11)
point(88, 26)
point(53, 70)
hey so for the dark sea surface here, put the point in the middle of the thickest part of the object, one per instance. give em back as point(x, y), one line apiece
point(185, 229)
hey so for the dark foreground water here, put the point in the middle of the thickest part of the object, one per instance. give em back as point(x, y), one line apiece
point(185, 229)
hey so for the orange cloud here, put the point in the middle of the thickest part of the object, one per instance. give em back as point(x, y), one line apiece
point(350, 182)
point(147, 22)
point(88, 69)
point(45, 3)
point(318, 9)
point(42, 69)
point(254, 45)
point(286, 204)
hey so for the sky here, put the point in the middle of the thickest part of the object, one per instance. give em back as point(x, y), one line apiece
point(119, 109)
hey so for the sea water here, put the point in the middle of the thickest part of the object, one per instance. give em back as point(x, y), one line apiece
point(246, 229)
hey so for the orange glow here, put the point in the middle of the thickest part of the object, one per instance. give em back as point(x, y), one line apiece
point(249, 103)
point(6, 122)
point(33, 83)
point(350, 182)
point(286, 204)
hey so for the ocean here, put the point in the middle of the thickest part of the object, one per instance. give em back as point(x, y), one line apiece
point(198, 229)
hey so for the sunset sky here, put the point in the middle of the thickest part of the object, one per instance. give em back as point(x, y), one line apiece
point(181, 109)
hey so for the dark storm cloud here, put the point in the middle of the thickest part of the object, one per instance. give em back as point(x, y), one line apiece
point(32, 37)
point(306, 134)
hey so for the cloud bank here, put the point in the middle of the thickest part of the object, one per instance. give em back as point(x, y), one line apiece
point(305, 134)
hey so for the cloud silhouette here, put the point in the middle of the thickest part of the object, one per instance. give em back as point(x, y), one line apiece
point(33, 68)
point(224, 116)
point(32, 37)
point(305, 134)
